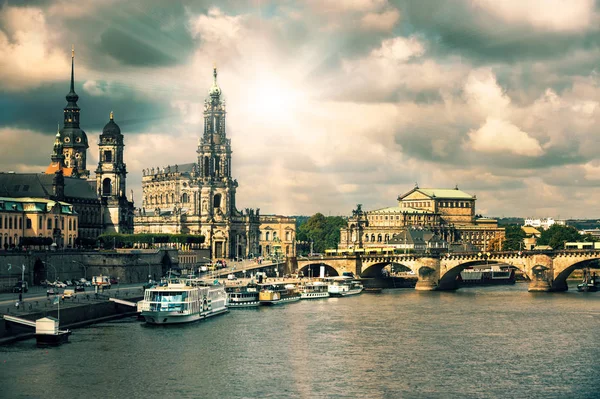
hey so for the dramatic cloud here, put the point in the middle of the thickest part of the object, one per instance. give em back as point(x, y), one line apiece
point(330, 103)
point(498, 136)
point(28, 58)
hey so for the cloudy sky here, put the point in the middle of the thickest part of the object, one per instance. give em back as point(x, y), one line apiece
point(331, 102)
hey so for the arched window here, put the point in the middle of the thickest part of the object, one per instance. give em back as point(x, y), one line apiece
point(366, 238)
point(106, 187)
point(10, 223)
point(379, 238)
point(20, 222)
point(49, 224)
point(172, 198)
point(184, 198)
point(274, 235)
point(70, 224)
point(217, 201)
point(267, 236)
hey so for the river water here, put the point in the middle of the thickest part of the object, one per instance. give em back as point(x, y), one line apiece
point(488, 342)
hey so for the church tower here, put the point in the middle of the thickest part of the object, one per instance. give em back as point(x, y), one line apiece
point(111, 180)
point(214, 160)
point(74, 140)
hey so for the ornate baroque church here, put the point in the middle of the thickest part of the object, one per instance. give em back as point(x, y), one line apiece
point(100, 203)
point(199, 197)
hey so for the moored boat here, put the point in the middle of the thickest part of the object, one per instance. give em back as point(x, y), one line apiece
point(313, 290)
point(344, 286)
point(493, 275)
point(590, 283)
point(277, 294)
point(182, 301)
point(242, 296)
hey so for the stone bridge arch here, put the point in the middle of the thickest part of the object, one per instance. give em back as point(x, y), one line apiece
point(448, 276)
point(314, 269)
point(564, 265)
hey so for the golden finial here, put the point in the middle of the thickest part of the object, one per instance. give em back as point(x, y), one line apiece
point(72, 51)
point(111, 115)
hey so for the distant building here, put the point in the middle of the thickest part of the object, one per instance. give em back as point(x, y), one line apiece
point(531, 236)
point(544, 224)
point(447, 213)
point(36, 217)
point(593, 232)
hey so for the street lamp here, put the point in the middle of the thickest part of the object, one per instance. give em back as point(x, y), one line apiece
point(49, 264)
point(84, 268)
point(22, 283)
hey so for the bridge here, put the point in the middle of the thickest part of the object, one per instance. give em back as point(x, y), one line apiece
point(546, 270)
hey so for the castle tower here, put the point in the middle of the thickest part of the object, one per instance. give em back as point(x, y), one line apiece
point(74, 140)
point(111, 180)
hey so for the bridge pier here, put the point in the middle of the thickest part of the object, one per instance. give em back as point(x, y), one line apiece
point(426, 285)
point(539, 285)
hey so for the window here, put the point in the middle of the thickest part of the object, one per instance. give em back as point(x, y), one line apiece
point(49, 223)
point(107, 156)
point(74, 224)
point(10, 223)
point(0, 222)
point(70, 224)
point(20, 223)
point(62, 223)
point(28, 222)
point(217, 201)
point(267, 236)
point(40, 222)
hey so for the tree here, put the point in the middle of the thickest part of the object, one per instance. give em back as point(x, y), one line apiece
point(557, 235)
point(513, 238)
point(322, 231)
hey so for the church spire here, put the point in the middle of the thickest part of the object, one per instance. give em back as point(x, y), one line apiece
point(72, 97)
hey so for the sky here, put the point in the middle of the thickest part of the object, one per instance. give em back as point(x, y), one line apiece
point(330, 103)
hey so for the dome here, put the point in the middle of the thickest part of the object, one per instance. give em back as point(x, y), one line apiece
point(111, 128)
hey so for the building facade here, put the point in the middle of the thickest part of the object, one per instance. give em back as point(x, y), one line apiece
point(36, 217)
point(277, 236)
point(448, 213)
point(200, 197)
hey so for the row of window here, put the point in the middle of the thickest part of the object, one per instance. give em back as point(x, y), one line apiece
point(410, 217)
point(16, 222)
point(442, 204)
point(267, 236)
point(165, 199)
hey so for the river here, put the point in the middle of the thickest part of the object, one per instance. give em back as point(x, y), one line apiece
point(477, 342)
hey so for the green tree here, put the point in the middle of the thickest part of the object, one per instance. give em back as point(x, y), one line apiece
point(557, 235)
point(513, 238)
point(323, 231)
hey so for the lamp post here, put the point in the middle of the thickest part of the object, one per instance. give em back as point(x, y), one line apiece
point(49, 264)
point(84, 268)
point(22, 283)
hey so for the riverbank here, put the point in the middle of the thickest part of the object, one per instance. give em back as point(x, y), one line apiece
point(72, 315)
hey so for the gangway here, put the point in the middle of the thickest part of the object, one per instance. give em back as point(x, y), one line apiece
point(19, 320)
point(122, 302)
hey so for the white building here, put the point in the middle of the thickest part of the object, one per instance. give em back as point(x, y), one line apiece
point(544, 224)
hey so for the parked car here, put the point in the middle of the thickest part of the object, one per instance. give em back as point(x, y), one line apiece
point(68, 294)
point(79, 288)
point(114, 280)
point(51, 291)
point(20, 287)
point(59, 284)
